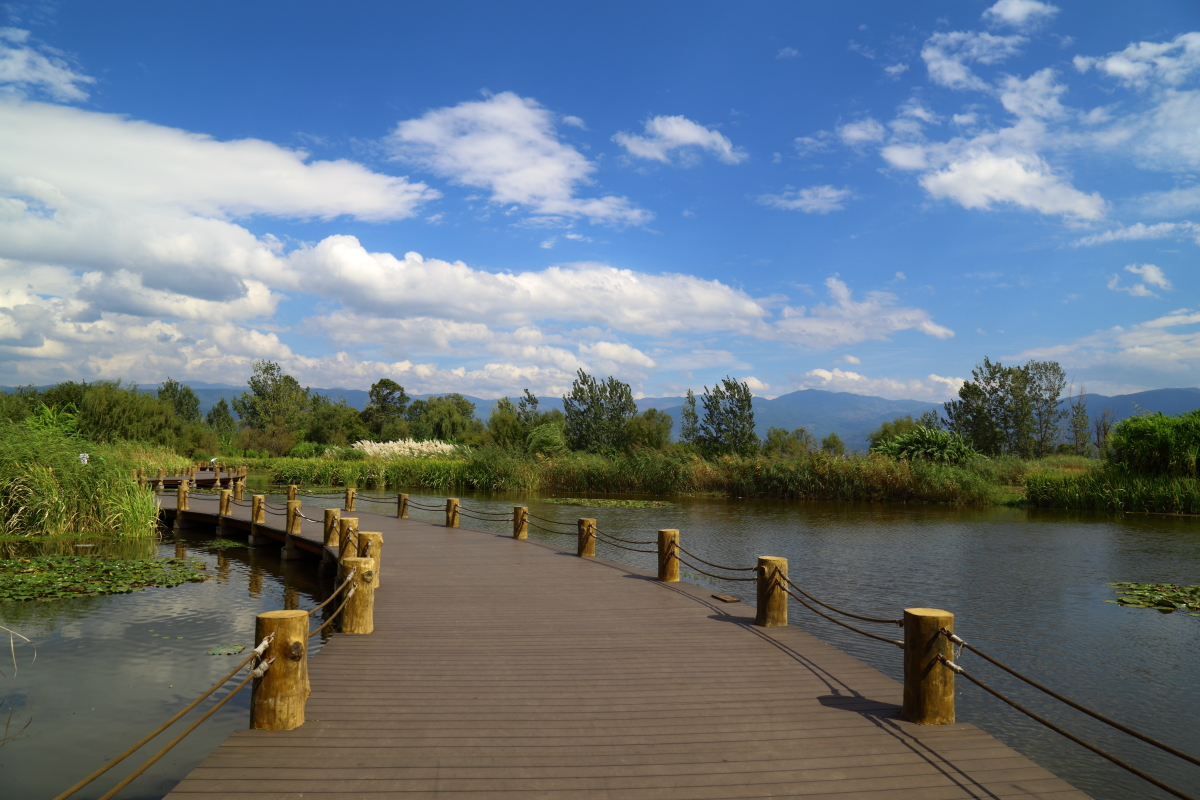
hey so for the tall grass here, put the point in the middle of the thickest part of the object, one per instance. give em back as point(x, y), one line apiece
point(818, 476)
point(1115, 489)
point(45, 490)
point(1157, 444)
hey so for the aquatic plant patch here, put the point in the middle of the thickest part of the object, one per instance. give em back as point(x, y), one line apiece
point(1164, 597)
point(57, 577)
point(224, 544)
point(600, 503)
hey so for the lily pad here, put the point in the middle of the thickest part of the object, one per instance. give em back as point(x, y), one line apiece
point(57, 577)
point(1162, 597)
point(592, 502)
point(227, 650)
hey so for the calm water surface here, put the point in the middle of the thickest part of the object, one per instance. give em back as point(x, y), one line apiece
point(1028, 587)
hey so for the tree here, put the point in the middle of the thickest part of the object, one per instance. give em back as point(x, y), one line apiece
point(384, 415)
point(890, 430)
point(781, 442)
point(728, 424)
point(1079, 423)
point(506, 426)
point(1103, 425)
point(1012, 410)
point(833, 444)
point(977, 416)
point(930, 420)
point(450, 418)
point(598, 413)
point(221, 420)
point(651, 428)
point(181, 398)
point(275, 399)
point(1045, 386)
point(689, 426)
point(334, 423)
point(527, 412)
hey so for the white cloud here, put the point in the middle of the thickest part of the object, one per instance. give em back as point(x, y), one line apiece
point(508, 145)
point(852, 359)
point(788, 52)
point(1036, 96)
point(864, 131)
point(896, 70)
point(848, 321)
point(933, 388)
point(1142, 64)
point(665, 135)
point(1140, 231)
point(1020, 13)
point(756, 386)
point(616, 353)
point(574, 122)
point(549, 243)
point(813, 200)
point(977, 180)
point(818, 143)
point(1150, 273)
point(947, 55)
point(23, 69)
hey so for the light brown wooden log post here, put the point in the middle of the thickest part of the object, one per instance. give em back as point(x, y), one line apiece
point(181, 496)
point(162, 473)
point(586, 547)
point(928, 685)
point(401, 506)
point(292, 491)
point(239, 489)
point(226, 502)
point(451, 512)
point(331, 534)
point(277, 698)
point(668, 559)
point(258, 516)
point(370, 545)
point(520, 522)
point(290, 552)
point(349, 504)
point(347, 537)
point(772, 609)
point(359, 614)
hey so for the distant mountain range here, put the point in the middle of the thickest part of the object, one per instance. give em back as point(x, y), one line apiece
point(851, 416)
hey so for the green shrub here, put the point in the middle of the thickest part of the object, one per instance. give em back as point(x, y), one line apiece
point(1115, 490)
point(307, 450)
point(1157, 444)
point(928, 444)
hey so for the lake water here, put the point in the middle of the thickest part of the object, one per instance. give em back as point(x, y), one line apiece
point(1028, 587)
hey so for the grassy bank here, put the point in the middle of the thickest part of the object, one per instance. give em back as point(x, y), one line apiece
point(46, 490)
point(1115, 490)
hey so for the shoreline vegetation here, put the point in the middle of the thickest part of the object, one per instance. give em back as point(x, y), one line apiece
point(67, 453)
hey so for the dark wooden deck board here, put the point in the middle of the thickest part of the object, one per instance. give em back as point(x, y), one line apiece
point(514, 669)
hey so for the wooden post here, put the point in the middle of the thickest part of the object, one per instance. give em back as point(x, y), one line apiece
point(359, 614)
point(772, 600)
point(370, 545)
point(451, 512)
point(292, 492)
point(401, 506)
point(277, 698)
point(331, 526)
point(290, 552)
point(226, 502)
point(347, 537)
point(668, 559)
point(258, 511)
point(239, 489)
point(181, 496)
point(520, 522)
point(162, 473)
point(586, 547)
point(349, 498)
point(928, 685)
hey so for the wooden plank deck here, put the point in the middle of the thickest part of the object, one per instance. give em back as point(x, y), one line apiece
point(513, 669)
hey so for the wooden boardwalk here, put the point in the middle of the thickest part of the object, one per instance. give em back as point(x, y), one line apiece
point(513, 669)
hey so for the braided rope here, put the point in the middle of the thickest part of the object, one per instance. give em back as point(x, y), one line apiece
point(881, 620)
point(896, 642)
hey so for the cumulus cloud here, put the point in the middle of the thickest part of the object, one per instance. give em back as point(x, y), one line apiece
point(849, 321)
point(947, 56)
point(756, 386)
point(508, 145)
point(864, 131)
point(1020, 13)
point(977, 180)
point(666, 135)
point(813, 200)
point(28, 70)
point(1151, 274)
point(932, 388)
point(1143, 64)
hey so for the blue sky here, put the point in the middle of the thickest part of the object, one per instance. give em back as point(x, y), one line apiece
point(470, 197)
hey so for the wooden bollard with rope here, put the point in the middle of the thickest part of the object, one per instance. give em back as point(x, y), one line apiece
point(291, 492)
point(520, 522)
point(451, 512)
point(258, 516)
point(668, 558)
point(224, 510)
point(359, 614)
point(772, 608)
point(330, 528)
point(402, 506)
point(347, 537)
point(239, 489)
point(181, 505)
point(277, 698)
point(370, 545)
point(294, 522)
point(586, 546)
point(348, 505)
point(928, 685)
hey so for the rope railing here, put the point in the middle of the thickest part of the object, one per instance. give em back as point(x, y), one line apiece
point(551, 521)
point(601, 537)
point(962, 645)
point(339, 609)
point(619, 539)
point(868, 634)
point(485, 512)
point(958, 670)
point(701, 570)
point(256, 653)
point(880, 620)
point(552, 533)
point(424, 507)
point(681, 549)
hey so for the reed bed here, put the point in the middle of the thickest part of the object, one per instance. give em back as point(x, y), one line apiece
point(1114, 489)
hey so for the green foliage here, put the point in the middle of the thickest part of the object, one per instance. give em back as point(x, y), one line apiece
point(275, 400)
point(890, 430)
point(1114, 490)
point(1079, 424)
point(782, 442)
point(334, 423)
point(1012, 410)
point(507, 426)
point(1163, 597)
point(651, 428)
point(386, 404)
point(549, 439)
point(592, 502)
point(598, 413)
point(221, 420)
point(1156, 444)
point(728, 424)
point(45, 490)
point(928, 445)
point(58, 577)
point(833, 444)
point(181, 399)
point(108, 412)
point(63, 419)
point(689, 425)
point(16, 406)
point(307, 450)
point(450, 418)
